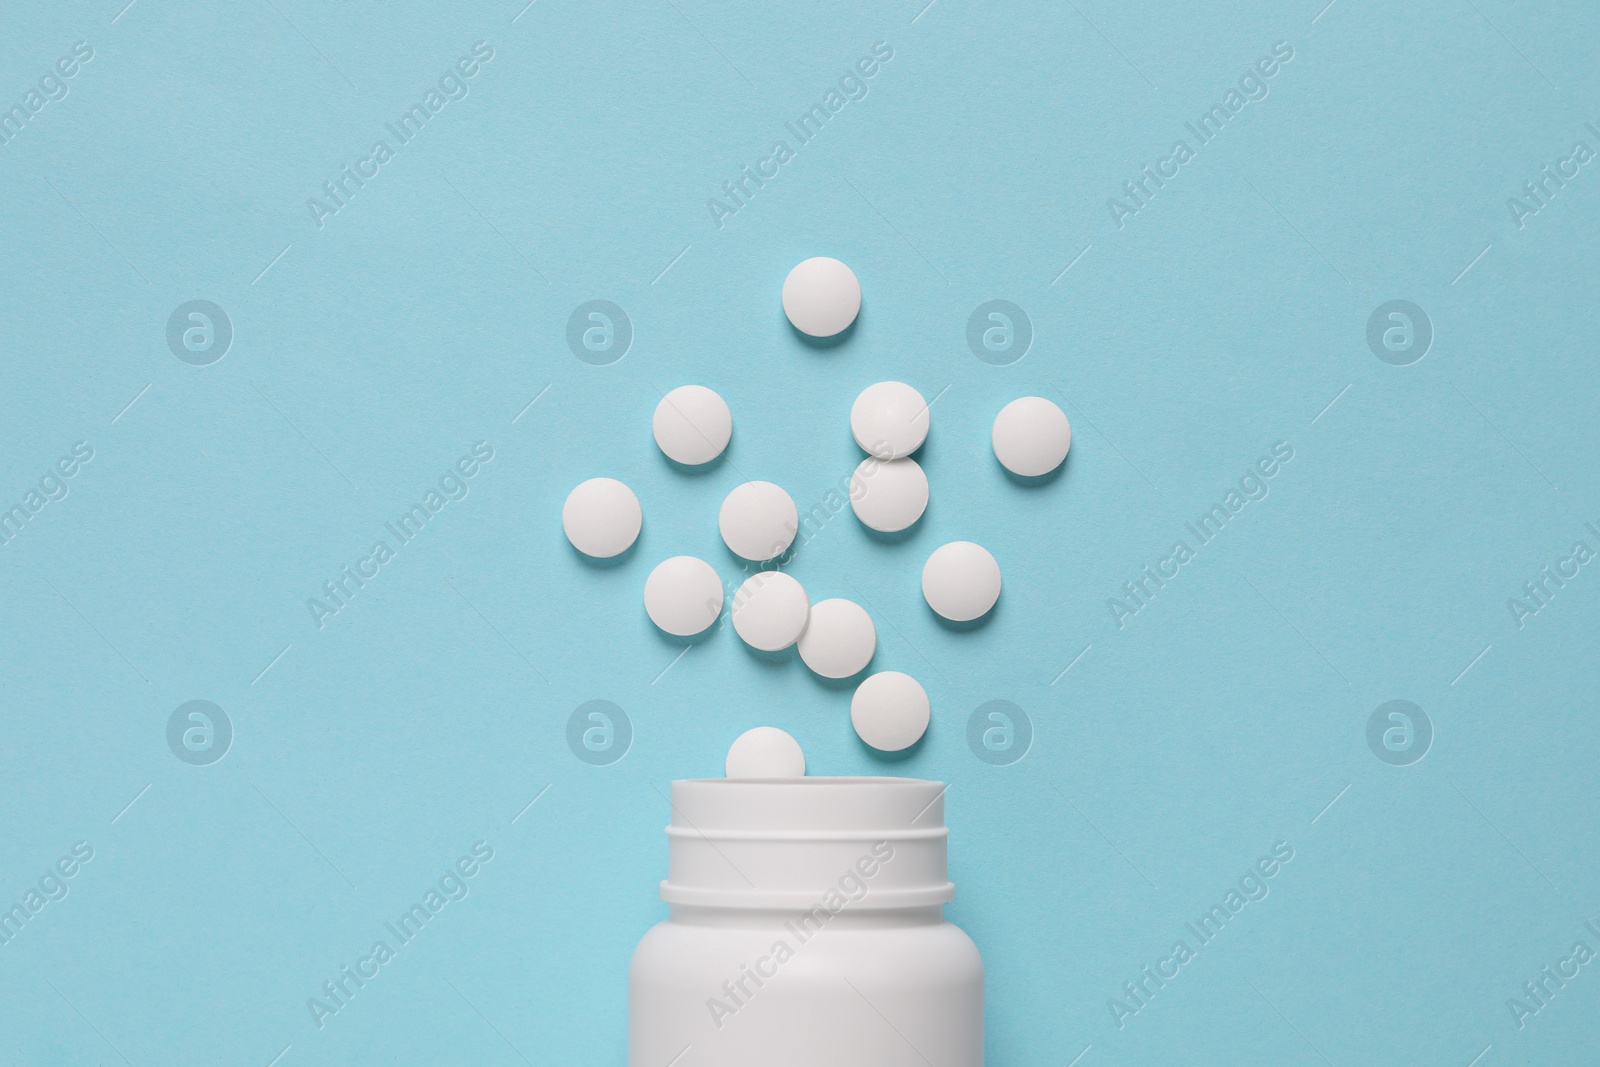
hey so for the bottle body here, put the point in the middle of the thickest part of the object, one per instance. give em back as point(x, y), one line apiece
point(861, 992)
point(805, 931)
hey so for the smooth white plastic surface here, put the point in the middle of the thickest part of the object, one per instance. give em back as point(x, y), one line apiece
point(889, 495)
point(839, 638)
point(758, 521)
point(765, 752)
point(890, 711)
point(821, 297)
point(683, 595)
point(692, 425)
point(1031, 436)
point(889, 419)
point(961, 581)
point(601, 518)
point(770, 610)
point(757, 869)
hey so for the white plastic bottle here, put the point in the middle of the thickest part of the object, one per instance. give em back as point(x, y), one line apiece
point(806, 929)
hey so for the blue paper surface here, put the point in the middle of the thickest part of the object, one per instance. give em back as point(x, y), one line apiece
point(371, 316)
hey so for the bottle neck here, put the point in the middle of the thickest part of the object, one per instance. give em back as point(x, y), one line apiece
point(819, 846)
point(805, 922)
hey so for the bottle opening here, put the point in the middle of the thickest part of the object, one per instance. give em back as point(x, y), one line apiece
point(814, 781)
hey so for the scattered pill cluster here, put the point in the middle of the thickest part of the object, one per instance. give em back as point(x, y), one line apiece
point(758, 521)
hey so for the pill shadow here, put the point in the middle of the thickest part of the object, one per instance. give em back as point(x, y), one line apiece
point(879, 756)
point(824, 343)
point(697, 468)
point(783, 659)
point(971, 624)
point(1037, 481)
point(842, 684)
point(926, 450)
point(897, 538)
point(608, 562)
point(749, 569)
point(682, 642)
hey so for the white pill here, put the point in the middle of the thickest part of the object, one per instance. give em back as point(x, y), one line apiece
point(961, 581)
point(758, 521)
point(769, 611)
point(889, 495)
point(839, 639)
point(1031, 436)
point(692, 425)
point(601, 518)
point(821, 297)
point(889, 420)
point(765, 752)
point(889, 711)
point(683, 595)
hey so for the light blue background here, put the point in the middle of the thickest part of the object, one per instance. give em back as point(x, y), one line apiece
point(370, 353)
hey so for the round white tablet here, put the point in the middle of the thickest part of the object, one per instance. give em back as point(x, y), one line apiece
point(1031, 436)
point(683, 595)
point(889, 495)
point(839, 639)
point(889, 419)
point(961, 581)
point(769, 611)
point(889, 711)
point(821, 297)
point(765, 752)
point(758, 521)
point(692, 425)
point(601, 518)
